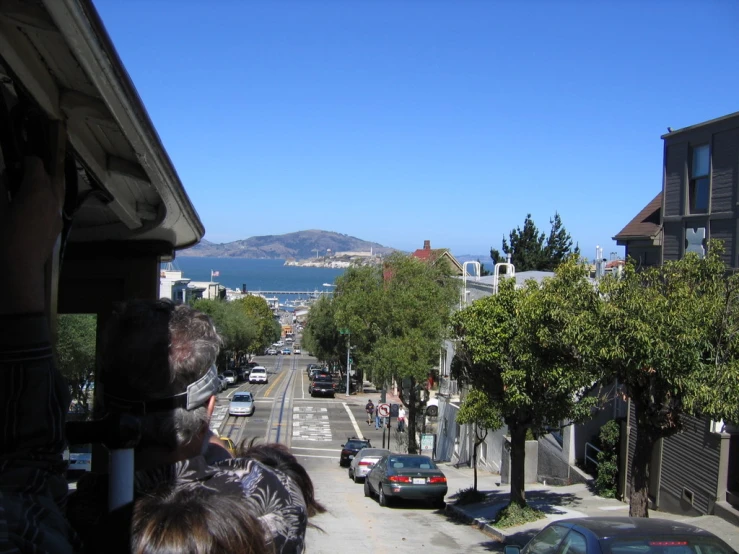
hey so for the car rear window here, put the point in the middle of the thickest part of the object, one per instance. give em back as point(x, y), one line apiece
point(258, 370)
point(242, 398)
point(414, 462)
point(667, 544)
point(355, 444)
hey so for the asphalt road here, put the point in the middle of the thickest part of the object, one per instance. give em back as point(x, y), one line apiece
point(315, 429)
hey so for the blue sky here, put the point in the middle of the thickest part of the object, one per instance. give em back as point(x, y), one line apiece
point(403, 121)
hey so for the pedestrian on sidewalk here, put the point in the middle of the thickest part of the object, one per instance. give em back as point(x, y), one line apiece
point(370, 409)
point(401, 419)
point(378, 419)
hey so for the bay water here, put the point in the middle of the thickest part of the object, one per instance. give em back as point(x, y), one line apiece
point(259, 275)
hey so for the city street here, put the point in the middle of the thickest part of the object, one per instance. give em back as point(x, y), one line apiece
point(315, 429)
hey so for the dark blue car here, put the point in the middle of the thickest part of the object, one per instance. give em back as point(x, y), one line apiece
point(622, 535)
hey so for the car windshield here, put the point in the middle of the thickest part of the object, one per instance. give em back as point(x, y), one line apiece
point(355, 445)
point(666, 544)
point(414, 462)
point(242, 398)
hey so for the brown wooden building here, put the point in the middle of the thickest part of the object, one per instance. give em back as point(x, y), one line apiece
point(697, 470)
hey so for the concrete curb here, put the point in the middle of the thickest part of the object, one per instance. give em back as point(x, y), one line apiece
point(482, 524)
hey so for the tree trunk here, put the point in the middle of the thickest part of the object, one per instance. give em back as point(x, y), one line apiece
point(518, 459)
point(639, 493)
point(474, 458)
point(411, 423)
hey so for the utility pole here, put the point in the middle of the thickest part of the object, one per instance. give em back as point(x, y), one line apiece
point(316, 250)
point(348, 356)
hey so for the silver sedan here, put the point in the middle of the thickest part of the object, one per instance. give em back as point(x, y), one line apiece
point(363, 462)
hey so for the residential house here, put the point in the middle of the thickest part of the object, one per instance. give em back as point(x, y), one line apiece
point(697, 470)
point(427, 253)
point(642, 236)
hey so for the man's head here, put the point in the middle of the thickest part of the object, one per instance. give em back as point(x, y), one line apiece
point(157, 357)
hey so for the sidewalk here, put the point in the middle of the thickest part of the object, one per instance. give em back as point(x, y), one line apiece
point(556, 503)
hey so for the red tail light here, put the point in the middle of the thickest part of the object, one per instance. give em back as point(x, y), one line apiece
point(399, 479)
point(435, 480)
point(366, 463)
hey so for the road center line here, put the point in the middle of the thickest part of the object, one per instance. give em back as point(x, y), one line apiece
point(354, 421)
point(274, 384)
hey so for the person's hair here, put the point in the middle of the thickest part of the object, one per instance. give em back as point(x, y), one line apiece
point(195, 519)
point(155, 349)
point(279, 457)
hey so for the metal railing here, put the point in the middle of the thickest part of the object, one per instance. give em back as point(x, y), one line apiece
point(590, 458)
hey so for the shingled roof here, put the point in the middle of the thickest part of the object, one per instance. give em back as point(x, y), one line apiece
point(647, 223)
point(431, 254)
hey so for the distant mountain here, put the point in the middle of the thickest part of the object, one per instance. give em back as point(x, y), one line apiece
point(300, 245)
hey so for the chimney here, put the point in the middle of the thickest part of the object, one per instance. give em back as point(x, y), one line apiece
point(427, 245)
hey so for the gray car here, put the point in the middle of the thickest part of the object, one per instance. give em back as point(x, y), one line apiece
point(364, 461)
point(242, 403)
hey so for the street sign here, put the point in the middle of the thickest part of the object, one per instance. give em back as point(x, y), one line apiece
point(383, 410)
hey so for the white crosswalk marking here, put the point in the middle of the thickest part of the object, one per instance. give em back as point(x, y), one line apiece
point(311, 424)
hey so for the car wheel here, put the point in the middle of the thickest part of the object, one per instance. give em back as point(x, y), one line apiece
point(351, 475)
point(382, 499)
point(367, 490)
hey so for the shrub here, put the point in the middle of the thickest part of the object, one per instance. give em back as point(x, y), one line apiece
point(607, 471)
point(513, 515)
point(470, 496)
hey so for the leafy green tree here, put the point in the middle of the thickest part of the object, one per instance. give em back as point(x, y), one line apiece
point(267, 328)
point(75, 350)
point(320, 333)
point(531, 249)
point(517, 348)
point(398, 316)
point(476, 410)
point(670, 335)
point(238, 331)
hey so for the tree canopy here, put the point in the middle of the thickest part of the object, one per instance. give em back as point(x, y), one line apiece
point(518, 348)
point(75, 351)
point(477, 411)
point(531, 249)
point(238, 331)
point(669, 335)
point(398, 316)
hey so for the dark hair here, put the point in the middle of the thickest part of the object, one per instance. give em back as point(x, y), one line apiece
point(195, 519)
point(279, 457)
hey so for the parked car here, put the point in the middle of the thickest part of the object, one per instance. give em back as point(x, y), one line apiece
point(230, 377)
point(407, 476)
point(622, 535)
point(286, 351)
point(258, 375)
point(223, 383)
point(364, 461)
point(312, 366)
point(79, 457)
point(322, 385)
point(242, 403)
point(350, 449)
point(272, 352)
